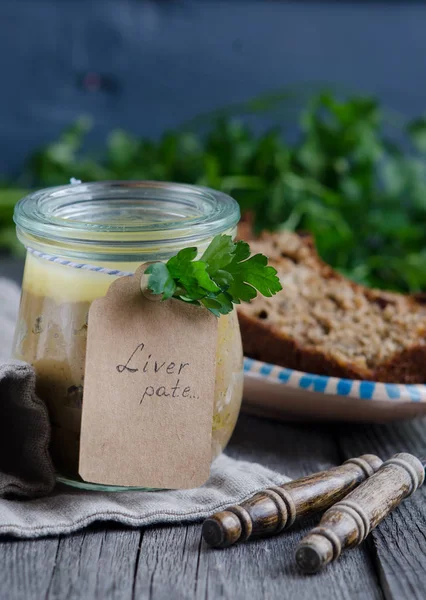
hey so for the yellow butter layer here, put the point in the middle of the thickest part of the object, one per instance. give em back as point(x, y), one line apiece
point(68, 284)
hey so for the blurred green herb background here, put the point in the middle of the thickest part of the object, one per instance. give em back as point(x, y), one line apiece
point(354, 176)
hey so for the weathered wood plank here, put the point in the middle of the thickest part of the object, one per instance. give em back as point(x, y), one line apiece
point(174, 563)
point(266, 569)
point(294, 450)
point(400, 540)
point(26, 568)
point(168, 563)
point(96, 563)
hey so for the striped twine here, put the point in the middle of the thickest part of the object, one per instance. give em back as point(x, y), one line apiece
point(82, 266)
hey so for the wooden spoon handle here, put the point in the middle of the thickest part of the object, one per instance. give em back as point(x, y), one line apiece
point(270, 511)
point(348, 522)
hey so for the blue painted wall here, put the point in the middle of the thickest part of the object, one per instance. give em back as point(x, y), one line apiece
point(147, 65)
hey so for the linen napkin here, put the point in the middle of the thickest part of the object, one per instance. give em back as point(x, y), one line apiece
point(65, 509)
point(25, 465)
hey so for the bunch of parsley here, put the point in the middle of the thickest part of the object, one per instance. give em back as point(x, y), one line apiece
point(353, 175)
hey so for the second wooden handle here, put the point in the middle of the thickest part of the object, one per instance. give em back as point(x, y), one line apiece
point(348, 522)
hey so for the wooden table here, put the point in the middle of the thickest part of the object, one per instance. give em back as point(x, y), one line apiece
point(173, 562)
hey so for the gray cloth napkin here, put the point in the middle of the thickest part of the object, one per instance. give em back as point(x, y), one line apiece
point(25, 465)
point(66, 509)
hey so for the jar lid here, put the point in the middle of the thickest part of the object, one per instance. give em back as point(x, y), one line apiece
point(124, 220)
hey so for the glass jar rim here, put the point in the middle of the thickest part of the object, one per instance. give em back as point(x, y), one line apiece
point(123, 218)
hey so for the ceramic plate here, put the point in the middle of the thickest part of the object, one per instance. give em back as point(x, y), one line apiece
point(281, 393)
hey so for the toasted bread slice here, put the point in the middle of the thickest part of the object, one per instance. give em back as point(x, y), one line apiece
point(323, 323)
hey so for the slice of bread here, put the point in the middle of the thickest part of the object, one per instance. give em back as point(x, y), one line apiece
point(323, 323)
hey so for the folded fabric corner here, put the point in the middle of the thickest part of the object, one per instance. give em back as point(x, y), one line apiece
point(26, 468)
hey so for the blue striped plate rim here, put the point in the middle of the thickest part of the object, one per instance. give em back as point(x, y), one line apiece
point(353, 388)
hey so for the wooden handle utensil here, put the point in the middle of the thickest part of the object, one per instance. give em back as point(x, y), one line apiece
point(276, 508)
point(347, 523)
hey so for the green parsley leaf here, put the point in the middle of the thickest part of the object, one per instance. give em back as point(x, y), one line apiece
point(224, 301)
point(219, 253)
point(178, 264)
point(160, 280)
point(223, 279)
point(255, 272)
point(197, 281)
point(225, 275)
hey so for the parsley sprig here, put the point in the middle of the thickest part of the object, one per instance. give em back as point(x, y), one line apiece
point(225, 275)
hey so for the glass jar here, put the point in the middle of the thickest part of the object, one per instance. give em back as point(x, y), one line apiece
point(80, 238)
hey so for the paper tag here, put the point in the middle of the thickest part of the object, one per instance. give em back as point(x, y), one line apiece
point(148, 390)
